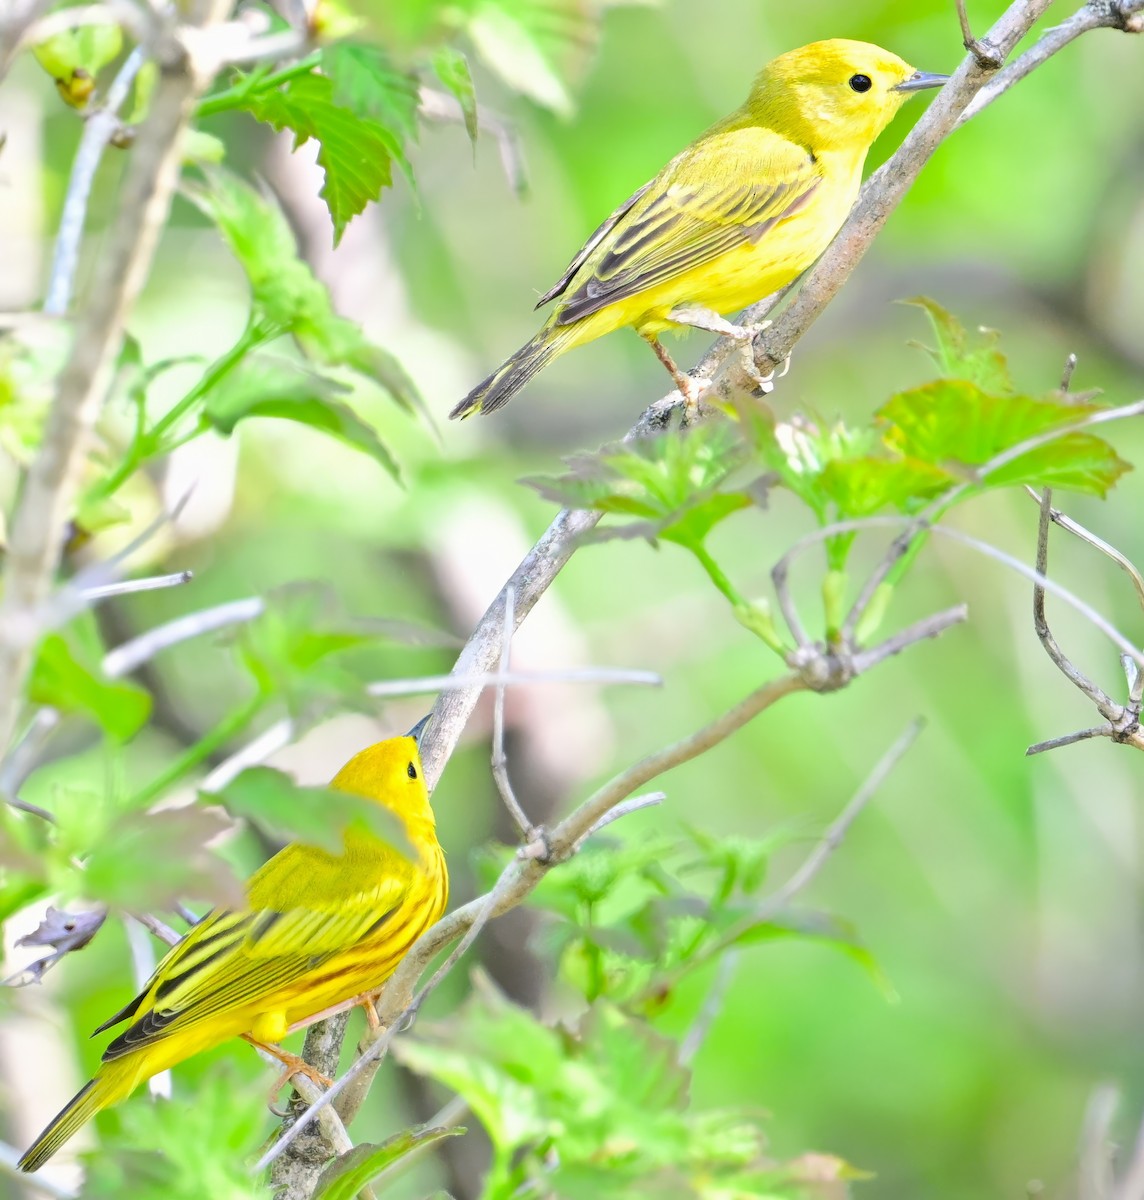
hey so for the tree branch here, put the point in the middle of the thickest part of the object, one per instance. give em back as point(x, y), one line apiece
point(41, 517)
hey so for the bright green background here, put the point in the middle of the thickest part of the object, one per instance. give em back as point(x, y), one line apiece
point(1001, 895)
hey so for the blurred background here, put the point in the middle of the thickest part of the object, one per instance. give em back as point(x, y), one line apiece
point(1001, 895)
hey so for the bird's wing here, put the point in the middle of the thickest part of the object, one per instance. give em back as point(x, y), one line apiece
point(602, 231)
point(726, 190)
point(233, 958)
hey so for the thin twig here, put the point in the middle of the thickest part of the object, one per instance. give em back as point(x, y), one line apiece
point(1096, 1178)
point(130, 656)
point(712, 1006)
point(1070, 739)
point(635, 804)
point(1097, 543)
point(129, 586)
point(100, 127)
point(1103, 702)
point(928, 627)
point(499, 760)
point(159, 928)
point(832, 839)
point(987, 55)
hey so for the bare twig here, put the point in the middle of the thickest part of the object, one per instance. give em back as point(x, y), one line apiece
point(1096, 1178)
point(45, 505)
point(1103, 702)
point(986, 54)
point(100, 127)
point(1070, 739)
point(499, 761)
point(133, 654)
point(159, 928)
point(1124, 15)
point(831, 840)
point(436, 105)
point(635, 804)
point(128, 587)
point(712, 1006)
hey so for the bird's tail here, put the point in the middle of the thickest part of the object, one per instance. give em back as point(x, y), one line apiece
point(114, 1082)
point(504, 383)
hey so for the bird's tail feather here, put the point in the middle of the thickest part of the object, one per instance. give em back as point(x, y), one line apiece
point(504, 383)
point(114, 1082)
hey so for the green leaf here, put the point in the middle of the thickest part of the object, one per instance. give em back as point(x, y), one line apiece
point(263, 386)
point(189, 1148)
point(452, 69)
point(312, 816)
point(348, 1174)
point(535, 45)
point(70, 679)
point(953, 421)
point(154, 859)
point(680, 484)
point(303, 626)
point(285, 293)
point(858, 487)
point(367, 82)
point(75, 57)
point(956, 357)
point(355, 153)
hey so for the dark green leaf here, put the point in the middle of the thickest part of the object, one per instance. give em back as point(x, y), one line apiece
point(262, 386)
point(348, 1174)
point(313, 816)
point(355, 153)
point(70, 680)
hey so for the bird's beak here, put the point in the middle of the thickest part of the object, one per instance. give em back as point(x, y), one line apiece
point(919, 81)
point(418, 729)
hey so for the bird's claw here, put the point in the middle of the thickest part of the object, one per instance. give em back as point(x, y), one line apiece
point(293, 1065)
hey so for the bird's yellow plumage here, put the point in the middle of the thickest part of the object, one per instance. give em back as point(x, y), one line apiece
point(318, 929)
point(741, 212)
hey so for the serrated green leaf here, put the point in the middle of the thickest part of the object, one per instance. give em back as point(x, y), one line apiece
point(262, 386)
point(349, 1173)
point(953, 421)
point(858, 487)
point(956, 357)
point(367, 82)
point(452, 68)
point(312, 816)
point(69, 680)
point(355, 153)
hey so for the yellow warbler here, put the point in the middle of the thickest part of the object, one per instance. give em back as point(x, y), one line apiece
point(747, 207)
point(318, 930)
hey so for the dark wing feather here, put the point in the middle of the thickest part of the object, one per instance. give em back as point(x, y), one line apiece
point(602, 231)
point(695, 216)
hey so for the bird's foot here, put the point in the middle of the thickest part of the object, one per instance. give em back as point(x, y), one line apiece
point(293, 1065)
point(704, 318)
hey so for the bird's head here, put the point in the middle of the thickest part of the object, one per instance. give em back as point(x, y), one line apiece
point(837, 94)
point(390, 772)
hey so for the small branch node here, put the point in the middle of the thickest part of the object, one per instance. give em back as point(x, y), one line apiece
point(987, 56)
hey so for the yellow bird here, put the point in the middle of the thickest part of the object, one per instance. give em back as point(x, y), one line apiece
point(746, 208)
point(318, 930)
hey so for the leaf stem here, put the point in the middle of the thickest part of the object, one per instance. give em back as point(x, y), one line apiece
point(211, 741)
point(256, 81)
point(716, 574)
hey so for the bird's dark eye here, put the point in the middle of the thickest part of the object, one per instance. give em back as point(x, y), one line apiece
point(411, 771)
point(861, 83)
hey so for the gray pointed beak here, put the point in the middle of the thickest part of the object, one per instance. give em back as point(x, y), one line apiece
point(919, 81)
point(418, 729)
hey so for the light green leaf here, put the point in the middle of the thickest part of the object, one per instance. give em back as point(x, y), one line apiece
point(348, 1174)
point(311, 815)
point(956, 357)
point(71, 681)
point(367, 82)
point(452, 69)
